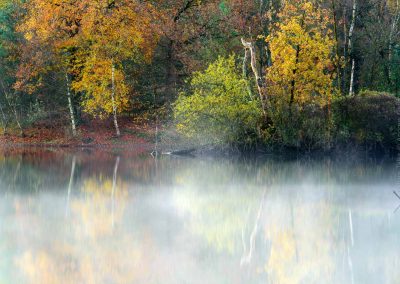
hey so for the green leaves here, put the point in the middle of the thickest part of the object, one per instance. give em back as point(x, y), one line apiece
point(218, 110)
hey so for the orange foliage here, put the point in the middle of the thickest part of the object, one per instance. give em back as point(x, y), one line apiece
point(84, 38)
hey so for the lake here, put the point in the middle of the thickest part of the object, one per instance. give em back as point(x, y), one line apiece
point(92, 216)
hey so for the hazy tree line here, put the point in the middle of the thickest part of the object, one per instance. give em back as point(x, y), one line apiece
point(291, 66)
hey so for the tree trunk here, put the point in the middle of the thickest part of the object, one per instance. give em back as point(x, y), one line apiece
point(293, 83)
point(351, 90)
point(12, 107)
point(351, 31)
point(260, 81)
point(156, 130)
point(335, 30)
point(71, 108)
point(245, 71)
point(114, 105)
point(392, 33)
point(344, 77)
point(4, 120)
point(171, 73)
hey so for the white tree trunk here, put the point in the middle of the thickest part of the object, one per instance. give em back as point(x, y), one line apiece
point(335, 31)
point(351, 90)
point(259, 79)
point(345, 46)
point(245, 72)
point(393, 31)
point(351, 31)
point(71, 108)
point(114, 105)
point(353, 22)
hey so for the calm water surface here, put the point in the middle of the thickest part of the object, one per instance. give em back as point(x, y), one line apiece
point(119, 217)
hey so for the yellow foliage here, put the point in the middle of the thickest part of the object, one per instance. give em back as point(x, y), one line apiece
point(119, 33)
point(86, 37)
point(300, 251)
point(301, 50)
point(93, 250)
point(95, 84)
point(94, 212)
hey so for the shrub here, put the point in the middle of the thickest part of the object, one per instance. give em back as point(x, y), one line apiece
point(369, 118)
point(218, 108)
point(306, 128)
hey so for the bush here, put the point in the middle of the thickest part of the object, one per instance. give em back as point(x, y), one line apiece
point(304, 128)
point(370, 118)
point(218, 108)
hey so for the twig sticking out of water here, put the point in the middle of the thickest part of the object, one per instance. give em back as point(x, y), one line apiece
point(398, 196)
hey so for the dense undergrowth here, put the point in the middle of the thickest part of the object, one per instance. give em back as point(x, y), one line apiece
point(218, 110)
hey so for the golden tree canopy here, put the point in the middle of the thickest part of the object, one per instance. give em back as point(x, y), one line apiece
point(301, 50)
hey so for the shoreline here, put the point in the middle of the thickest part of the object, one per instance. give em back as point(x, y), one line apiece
point(355, 152)
point(138, 138)
point(72, 146)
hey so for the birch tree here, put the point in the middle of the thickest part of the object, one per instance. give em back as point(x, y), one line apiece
point(261, 86)
point(87, 42)
point(50, 29)
point(350, 47)
point(394, 30)
point(255, 20)
point(111, 34)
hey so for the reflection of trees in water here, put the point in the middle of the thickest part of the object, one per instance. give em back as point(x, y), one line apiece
point(95, 249)
point(14, 172)
point(278, 171)
point(298, 233)
point(32, 171)
point(102, 206)
point(305, 228)
point(304, 242)
point(37, 170)
point(289, 247)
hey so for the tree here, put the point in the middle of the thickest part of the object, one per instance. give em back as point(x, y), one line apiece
point(50, 28)
point(350, 47)
point(254, 21)
point(8, 54)
point(303, 66)
point(394, 30)
point(301, 49)
point(111, 33)
point(193, 34)
point(88, 41)
point(375, 42)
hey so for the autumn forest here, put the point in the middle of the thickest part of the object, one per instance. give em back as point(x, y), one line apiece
point(243, 74)
point(200, 141)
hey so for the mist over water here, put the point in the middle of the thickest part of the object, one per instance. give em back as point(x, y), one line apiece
point(120, 217)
